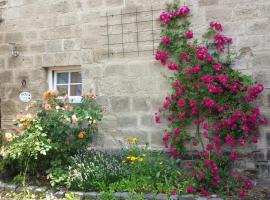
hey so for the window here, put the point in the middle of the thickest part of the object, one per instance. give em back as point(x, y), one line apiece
point(67, 82)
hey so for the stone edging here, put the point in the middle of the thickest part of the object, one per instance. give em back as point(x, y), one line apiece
point(95, 195)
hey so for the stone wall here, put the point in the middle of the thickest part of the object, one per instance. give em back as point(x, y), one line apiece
point(55, 33)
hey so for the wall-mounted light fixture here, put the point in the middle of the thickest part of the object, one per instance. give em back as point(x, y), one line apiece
point(14, 51)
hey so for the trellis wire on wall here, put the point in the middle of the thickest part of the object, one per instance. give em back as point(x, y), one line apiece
point(110, 44)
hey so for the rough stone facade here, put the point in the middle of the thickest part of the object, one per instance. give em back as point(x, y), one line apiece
point(56, 33)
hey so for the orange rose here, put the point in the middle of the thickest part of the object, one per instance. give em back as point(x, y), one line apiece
point(82, 134)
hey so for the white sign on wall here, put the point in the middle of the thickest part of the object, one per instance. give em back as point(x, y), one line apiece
point(25, 97)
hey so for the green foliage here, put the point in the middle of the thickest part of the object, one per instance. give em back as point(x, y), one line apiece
point(45, 141)
point(95, 170)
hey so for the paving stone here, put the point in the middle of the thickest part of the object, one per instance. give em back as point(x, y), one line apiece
point(79, 195)
point(90, 195)
point(10, 187)
point(162, 197)
point(41, 190)
point(186, 197)
point(150, 196)
point(60, 194)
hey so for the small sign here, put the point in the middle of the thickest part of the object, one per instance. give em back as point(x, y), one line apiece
point(25, 97)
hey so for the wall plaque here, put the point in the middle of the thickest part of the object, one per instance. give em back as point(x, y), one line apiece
point(25, 97)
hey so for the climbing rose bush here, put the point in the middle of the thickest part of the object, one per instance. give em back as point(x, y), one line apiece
point(217, 99)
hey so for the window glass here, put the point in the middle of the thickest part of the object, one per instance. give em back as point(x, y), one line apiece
point(75, 90)
point(63, 89)
point(62, 78)
point(76, 77)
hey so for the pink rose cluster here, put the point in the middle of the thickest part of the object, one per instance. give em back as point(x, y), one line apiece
point(166, 17)
point(207, 92)
point(161, 56)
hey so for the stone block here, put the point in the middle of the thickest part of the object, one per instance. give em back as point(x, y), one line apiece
point(110, 3)
point(38, 61)
point(259, 156)
point(263, 169)
point(261, 61)
point(120, 104)
point(140, 104)
point(60, 194)
point(150, 196)
point(137, 69)
point(61, 59)
point(94, 4)
point(6, 76)
point(72, 44)
point(15, 37)
point(264, 9)
point(114, 86)
point(27, 11)
point(37, 47)
point(87, 57)
point(67, 19)
point(208, 2)
point(63, 32)
point(156, 137)
point(48, 60)
point(245, 12)
point(148, 85)
point(147, 120)
point(13, 13)
point(54, 46)
point(259, 26)
point(41, 190)
point(74, 58)
point(79, 195)
point(253, 42)
point(218, 14)
point(90, 16)
point(92, 70)
point(88, 42)
point(2, 63)
point(90, 195)
point(10, 187)
point(30, 35)
point(186, 197)
point(61, 7)
point(116, 70)
point(2, 186)
point(234, 28)
point(162, 197)
point(127, 122)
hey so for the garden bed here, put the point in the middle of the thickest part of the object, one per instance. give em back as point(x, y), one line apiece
point(58, 194)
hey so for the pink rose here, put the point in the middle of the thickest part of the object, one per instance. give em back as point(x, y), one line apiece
point(189, 34)
point(166, 40)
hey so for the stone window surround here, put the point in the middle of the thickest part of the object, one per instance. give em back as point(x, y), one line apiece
point(52, 79)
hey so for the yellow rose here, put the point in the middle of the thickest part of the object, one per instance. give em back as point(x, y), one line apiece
point(9, 137)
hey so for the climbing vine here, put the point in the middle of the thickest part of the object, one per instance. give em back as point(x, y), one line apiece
point(210, 94)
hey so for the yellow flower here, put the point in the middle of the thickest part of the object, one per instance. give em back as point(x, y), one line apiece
point(161, 163)
point(133, 140)
point(133, 159)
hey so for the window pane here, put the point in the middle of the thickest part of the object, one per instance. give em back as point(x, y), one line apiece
point(76, 77)
point(76, 90)
point(63, 89)
point(62, 78)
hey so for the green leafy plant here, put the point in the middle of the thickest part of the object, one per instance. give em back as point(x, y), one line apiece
point(45, 140)
point(95, 170)
point(209, 94)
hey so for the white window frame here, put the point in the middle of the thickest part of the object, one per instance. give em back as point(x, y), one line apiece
point(52, 80)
